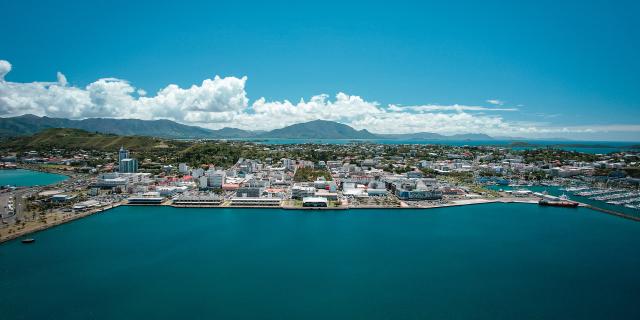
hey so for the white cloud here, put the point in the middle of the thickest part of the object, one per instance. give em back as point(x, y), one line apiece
point(212, 96)
point(5, 67)
point(62, 80)
point(111, 97)
point(455, 107)
point(266, 115)
point(223, 102)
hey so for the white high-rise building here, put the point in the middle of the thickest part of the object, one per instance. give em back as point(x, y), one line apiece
point(128, 166)
point(122, 154)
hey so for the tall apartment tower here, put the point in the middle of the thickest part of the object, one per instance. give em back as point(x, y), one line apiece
point(122, 154)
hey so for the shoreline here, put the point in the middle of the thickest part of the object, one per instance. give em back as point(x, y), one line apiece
point(455, 203)
point(55, 223)
point(40, 168)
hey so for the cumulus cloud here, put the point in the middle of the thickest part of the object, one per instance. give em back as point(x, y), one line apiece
point(62, 80)
point(117, 98)
point(455, 107)
point(344, 108)
point(5, 67)
point(223, 102)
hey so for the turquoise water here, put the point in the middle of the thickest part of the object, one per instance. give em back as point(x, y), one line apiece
point(27, 178)
point(497, 261)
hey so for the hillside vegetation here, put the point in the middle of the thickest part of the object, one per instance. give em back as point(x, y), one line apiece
point(29, 124)
point(75, 139)
point(319, 129)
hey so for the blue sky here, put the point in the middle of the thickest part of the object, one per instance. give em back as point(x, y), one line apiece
point(561, 68)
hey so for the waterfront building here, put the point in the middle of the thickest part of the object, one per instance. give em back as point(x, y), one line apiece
point(326, 194)
point(414, 189)
point(351, 189)
point(300, 191)
point(146, 198)
point(85, 205)
point(315, 202)
point(256, 202)
point(376, 188)
point(419, 194)
point(197, 200)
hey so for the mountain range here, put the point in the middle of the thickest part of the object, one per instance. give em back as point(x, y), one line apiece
point(317, 129)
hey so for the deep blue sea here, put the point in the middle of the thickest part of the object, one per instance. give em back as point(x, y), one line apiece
point(493, 261)
point(27, 178)
point(594, 147)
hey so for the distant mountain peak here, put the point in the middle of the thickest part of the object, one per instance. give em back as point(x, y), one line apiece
point(319, 129)
point(28, 124)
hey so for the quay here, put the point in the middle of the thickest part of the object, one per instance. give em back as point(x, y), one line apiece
point(453, 203)
point(613, 213)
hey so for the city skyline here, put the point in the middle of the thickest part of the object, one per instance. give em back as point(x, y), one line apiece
point(520, 70)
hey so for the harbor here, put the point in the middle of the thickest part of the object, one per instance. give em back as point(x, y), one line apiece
point(207, 253)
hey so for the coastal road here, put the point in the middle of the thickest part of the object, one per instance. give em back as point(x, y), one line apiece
point(20, 203)
point(5, 214)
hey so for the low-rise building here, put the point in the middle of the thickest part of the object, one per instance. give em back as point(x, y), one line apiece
point(146, 198)
point(300, 191)
point(256, 202)
point(197, 200)
point(315, 202)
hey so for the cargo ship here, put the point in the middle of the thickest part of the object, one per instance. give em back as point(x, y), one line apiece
point(561, 201)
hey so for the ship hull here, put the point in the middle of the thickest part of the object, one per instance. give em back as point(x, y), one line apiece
point(564, 204)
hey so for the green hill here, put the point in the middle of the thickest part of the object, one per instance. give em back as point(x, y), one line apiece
point(30, 124)
point(319, 129)
point(69, 139)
